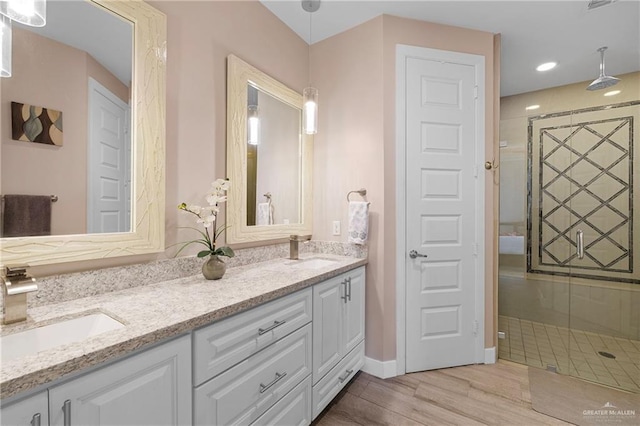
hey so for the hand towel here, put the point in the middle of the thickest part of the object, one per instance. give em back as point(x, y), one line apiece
point(265, 214)
point(26, 215)
point(358, 222)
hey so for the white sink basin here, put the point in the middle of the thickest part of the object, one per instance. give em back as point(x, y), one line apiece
point(312, 263)
point(34, 340)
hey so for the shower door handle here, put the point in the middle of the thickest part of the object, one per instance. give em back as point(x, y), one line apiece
point(580, 243)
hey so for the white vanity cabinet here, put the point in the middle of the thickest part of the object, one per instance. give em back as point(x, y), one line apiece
point(149, 388)
point(253, 366)
point(338, 334)
point(31, 411)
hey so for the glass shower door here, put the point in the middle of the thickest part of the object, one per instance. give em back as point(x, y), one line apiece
point(604, 289)
point(533, 256)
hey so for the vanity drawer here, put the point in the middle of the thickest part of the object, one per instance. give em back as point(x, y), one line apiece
point(331, 384)
point(243, 393)
point(221, 345)
point(293, 409)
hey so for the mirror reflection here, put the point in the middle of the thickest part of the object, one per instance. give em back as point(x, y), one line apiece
point(66, 120)
point(273, 160)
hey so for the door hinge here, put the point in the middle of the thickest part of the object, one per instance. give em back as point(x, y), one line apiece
point(475, 249)
point(475, 327)
point(475, 171)
point(475, 92)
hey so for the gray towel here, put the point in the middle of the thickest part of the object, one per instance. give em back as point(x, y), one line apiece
point(26, 215)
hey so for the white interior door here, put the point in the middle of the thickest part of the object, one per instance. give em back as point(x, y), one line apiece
point(443, 214)
point(109, 169)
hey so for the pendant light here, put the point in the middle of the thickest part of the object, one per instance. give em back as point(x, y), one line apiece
point(27, 12)
point(310, 94)
point(5, 45)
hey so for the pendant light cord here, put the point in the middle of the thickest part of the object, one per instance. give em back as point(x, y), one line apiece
point(309, 48)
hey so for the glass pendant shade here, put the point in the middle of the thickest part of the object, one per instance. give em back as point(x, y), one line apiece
point(5, 43)
point(310, 110)
point(27, 12)
point(254, 125)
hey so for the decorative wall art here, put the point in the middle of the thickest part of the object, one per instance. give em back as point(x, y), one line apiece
point(36, 124)
point(581, 178)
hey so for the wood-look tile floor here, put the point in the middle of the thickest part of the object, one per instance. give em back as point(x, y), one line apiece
point(495, 394)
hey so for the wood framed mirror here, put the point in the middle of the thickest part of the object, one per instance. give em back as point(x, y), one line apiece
point(269, 158)
point(144, 232)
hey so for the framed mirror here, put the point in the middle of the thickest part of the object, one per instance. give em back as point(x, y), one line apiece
point(133, 79)
point(269, 158)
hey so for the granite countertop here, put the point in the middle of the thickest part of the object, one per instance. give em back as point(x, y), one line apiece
point(156, 312)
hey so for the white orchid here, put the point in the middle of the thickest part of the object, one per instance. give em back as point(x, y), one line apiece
point(214, 199)
point(194, 208)
point(220, 185)
point(206, 216)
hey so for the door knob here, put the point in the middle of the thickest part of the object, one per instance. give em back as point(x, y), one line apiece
point(413, 254)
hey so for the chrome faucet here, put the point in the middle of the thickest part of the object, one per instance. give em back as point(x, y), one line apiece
point(293, 244)
point(16, 283)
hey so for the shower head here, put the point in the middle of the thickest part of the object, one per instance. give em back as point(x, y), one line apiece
point(603, 81)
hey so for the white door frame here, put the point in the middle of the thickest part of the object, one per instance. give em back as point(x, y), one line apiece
point(402, 53)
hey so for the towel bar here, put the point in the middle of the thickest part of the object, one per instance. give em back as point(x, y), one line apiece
point(54, 198)
point(361, 191)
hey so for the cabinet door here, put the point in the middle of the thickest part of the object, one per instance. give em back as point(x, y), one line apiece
point(150, 388)
point(32, 411)
point(328, 304)
point(354, 310)
point(326, 389)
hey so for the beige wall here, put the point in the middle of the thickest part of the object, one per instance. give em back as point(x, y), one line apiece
point(52, 75)
point(200, 37)
point(355, 147)
point(349, 155)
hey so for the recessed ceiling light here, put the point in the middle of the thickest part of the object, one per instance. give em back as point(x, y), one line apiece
point(546, 66)
point(532, 107)
point(612, 93)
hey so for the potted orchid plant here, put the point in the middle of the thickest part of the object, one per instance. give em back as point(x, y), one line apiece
point(214, 268)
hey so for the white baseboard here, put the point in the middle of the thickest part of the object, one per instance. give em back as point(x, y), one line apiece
point(490, 355)
point(380, 369)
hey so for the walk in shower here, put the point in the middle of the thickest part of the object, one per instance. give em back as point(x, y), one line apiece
point(568, 171)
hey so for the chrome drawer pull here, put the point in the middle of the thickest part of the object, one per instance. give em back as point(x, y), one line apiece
point(346, 375)
point(66, 410)
point(349, 287)
point(345, 291)
point(264, 388)
point(275, 324)
point(35, 421)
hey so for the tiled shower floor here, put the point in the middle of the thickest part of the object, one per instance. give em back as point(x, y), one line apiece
point(538, 345)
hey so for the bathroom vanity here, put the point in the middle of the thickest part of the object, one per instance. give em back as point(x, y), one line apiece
point(271, 343)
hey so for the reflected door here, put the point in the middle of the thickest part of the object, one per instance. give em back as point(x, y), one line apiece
point(109, 170)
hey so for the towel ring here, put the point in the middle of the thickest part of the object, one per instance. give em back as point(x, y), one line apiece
point(361, 191)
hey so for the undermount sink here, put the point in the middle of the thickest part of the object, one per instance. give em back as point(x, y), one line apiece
point(34, 340)
point(311, 263)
